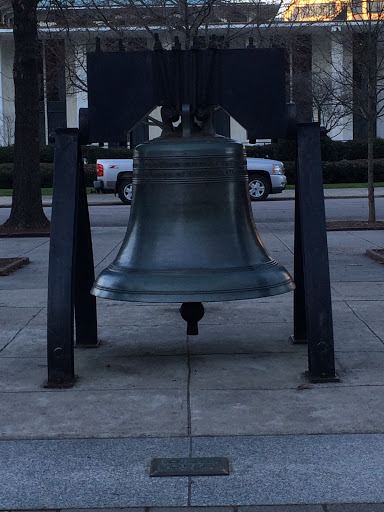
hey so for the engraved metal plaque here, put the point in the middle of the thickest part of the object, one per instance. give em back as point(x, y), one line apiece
point(198, 466)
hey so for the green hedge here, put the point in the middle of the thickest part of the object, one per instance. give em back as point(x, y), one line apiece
point(284, 150)
point(346, 171)
point(6, 154)
point(90, 153)
point(331, 151)
point(46, 173)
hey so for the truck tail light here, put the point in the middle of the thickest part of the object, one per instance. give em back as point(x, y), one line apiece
point(100, 170)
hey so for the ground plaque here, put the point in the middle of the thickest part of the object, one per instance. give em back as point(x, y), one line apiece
point(197, 466)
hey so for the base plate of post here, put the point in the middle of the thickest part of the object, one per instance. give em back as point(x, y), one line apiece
point(320, 379)
point(88, 345)
point(298, 341)
point(60, 383)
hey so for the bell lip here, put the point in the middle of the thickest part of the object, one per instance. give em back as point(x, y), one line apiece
point(202, 296)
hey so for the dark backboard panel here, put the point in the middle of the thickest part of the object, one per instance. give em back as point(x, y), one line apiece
point(252, 90)
point(120, 93)
point(247, 83)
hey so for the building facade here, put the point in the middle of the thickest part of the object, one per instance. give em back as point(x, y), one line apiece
point(326, 58)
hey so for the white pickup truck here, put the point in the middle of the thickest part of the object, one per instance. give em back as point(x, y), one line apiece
point(264, 177)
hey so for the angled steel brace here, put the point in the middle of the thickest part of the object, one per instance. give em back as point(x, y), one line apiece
point(71, 271)
point(312, 300)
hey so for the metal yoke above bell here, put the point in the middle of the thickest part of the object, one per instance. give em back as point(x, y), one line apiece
point(191, 236)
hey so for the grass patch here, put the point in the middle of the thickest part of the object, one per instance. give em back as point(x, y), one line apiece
point(353, 185)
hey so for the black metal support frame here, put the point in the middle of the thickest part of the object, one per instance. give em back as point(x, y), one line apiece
point(237, 80)
point(71, 269)
point(312, 297)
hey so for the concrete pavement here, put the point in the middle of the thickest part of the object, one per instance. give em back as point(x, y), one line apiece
point(237, 390)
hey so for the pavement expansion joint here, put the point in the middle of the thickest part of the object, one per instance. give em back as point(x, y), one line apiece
point(236, 391)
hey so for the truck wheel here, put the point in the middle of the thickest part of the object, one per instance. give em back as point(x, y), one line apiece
point(259, 187)
point(125, 191)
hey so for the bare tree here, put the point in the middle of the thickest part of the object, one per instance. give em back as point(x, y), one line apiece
point(356, 84)
point(27, 211)
point(328, 110)
point(132, 25)
point(127, 19)
point(7, 135)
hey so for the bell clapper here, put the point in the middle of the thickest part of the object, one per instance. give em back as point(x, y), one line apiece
point(192, 312)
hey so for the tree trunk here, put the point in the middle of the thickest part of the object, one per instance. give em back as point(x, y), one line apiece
point(371, 137)
point(27, 210)
point(371, 190)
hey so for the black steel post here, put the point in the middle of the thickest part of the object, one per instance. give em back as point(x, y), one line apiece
point(85, 303)
point(68, 225)
point(62, 252)
point(315, 265)
point(299, 306)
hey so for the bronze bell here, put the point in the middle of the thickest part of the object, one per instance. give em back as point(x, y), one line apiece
point(191, 236)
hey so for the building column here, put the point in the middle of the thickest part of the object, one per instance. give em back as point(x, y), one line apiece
point(7, 93)
point(341, 60)
point(302, 77)
point(75, 97)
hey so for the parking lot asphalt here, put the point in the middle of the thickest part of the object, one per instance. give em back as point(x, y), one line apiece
point(237, 390)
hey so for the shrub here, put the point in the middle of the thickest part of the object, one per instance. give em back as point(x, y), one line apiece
point(351, 171)
point(331, 150)
point(343, 162)
point(378, 148)
point(6, 172)
point(6, 154)
point(260, 151)
point(283, 150)
point(345, 171)
point(47, 154)
point(92, 153)
point(46, 174)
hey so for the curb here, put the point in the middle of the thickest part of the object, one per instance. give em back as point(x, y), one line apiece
point(270, 199)
point(376, 254)
point(26, 234)
point(9, 265)
point(303, 507)
point(48, 204)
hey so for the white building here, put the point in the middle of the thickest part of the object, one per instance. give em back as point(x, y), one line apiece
point(322, 64)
